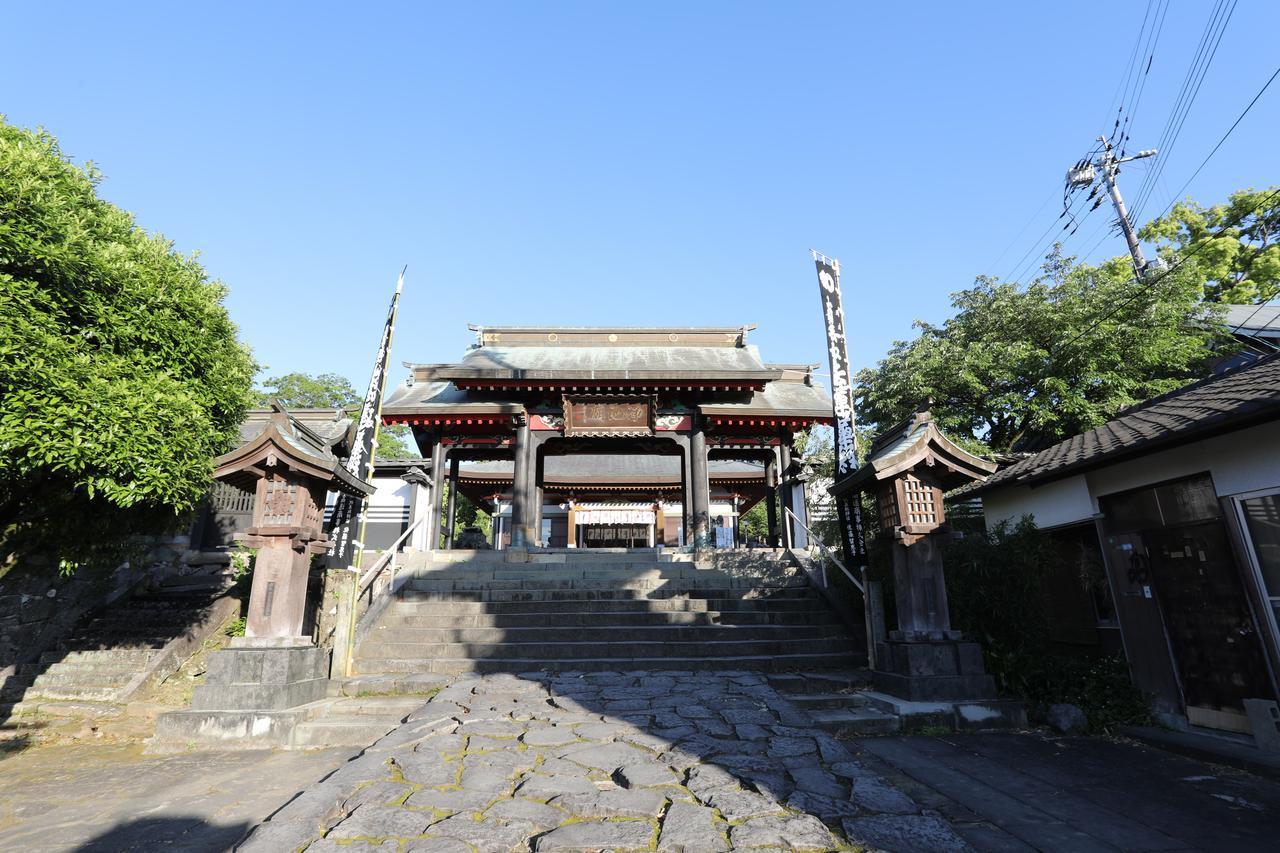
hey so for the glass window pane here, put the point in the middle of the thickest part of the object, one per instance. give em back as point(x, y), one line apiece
point(1188, 500)
point(1262, 516)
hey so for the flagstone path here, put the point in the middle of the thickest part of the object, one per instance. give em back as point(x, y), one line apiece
point(672, 761)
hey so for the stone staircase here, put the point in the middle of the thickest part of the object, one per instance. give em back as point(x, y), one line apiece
point(116, 652)
point(460, 612)
point(836, 702)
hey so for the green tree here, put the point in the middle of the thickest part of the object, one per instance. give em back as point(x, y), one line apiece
point(1234, 247)
point(1025, 366)
point(394, 442)
point(307, 391)
point(121, 374)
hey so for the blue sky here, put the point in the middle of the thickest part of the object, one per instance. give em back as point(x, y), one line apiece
point(614, 164)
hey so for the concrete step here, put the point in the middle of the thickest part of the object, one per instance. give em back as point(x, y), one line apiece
point(391, 649)
point(590, 591)
point(356, 730)
point(417, 684)
point(390, 707)
point(855, 722)
point(600, 632)
point(846, 681)
point(74, 692)
point(41, 707)
point(447, 619)
point(826, 701)
point(126, 657)
point(768, 663)
point(596, 605)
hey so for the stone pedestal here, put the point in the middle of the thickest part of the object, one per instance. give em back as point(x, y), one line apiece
point(932, 670)
point(255, 694)
point(257, 676)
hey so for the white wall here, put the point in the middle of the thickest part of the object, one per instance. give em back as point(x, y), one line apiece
point(1059, 502)
point(1238, 462)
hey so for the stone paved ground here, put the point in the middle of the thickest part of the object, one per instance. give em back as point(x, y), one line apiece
point(95, 797)
point(605, 761)
point(1022, 792)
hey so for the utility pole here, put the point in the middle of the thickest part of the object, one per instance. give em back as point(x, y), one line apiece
point(1108, 164)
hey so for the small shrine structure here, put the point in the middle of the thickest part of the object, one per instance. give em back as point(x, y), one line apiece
point(909, 469)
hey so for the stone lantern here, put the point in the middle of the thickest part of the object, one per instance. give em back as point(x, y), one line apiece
point(290, 467)
point(908, 470)
point(256, 690)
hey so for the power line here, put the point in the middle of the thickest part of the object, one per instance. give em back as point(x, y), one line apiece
point(1196, 74)
point(1151, 283)
point(1173, 200)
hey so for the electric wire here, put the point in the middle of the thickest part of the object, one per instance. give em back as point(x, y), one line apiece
point(1173, 130)
point(1173, 199)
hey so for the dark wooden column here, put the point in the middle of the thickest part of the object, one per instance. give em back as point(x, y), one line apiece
point(453, 501)
point(699, 486)
point(520, 482)
point(771, 497)
point(537, 492)
point(438, 454)
point(784, 493)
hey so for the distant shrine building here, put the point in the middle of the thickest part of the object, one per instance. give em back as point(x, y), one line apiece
point(610, 437)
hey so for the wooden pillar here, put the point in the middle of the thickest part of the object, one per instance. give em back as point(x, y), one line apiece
point(520, 510)
point(438, 454)
point(700, 487)
point(453, 502)
point(737, 528)
point(784, 493)
point(771, 497)
point(536, 490)
point(571, 536)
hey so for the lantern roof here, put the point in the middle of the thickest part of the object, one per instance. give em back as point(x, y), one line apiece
point(915, 443)
point(286, 441)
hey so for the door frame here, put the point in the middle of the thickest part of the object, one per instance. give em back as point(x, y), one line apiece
point(1255, 585)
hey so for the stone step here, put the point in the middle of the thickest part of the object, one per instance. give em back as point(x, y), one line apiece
point(356, 730)
point(767, 663)
point(125, 657)
point(88, 678)
point(638, 571)
point(391, 707)
point(600, 632)
point(389, 649)
point(594, 591)
point(447, 619)
point(656, 586)
point(855, 722)
point(74, 692)
point(825, 701)
point(42, 707)
point(725, 605)
point(845, 681)
point(418, 684)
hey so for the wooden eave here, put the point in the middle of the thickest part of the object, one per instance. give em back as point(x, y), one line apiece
point(245, 465)
point(932, 449)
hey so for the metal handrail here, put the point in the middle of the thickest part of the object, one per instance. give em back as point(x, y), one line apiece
point(388, 555)
point(826, 552)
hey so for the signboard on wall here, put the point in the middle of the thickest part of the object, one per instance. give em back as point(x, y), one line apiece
point(617, 416)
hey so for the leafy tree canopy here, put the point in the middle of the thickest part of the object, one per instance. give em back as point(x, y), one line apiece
point(121, 375)
point(1026, 366)
point(1234, 247)
point(307, 391)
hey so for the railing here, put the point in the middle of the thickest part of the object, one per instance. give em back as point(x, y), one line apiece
point(377, 583)
point(861, 585)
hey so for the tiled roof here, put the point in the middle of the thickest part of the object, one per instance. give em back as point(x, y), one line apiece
point(1234, 400)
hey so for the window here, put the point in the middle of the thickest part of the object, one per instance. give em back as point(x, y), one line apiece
point(1262, 521)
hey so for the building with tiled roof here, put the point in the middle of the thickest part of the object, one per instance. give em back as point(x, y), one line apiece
point(1173, 508)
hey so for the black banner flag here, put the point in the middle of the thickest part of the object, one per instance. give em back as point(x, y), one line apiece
point(846, 440)
point(347, 522)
